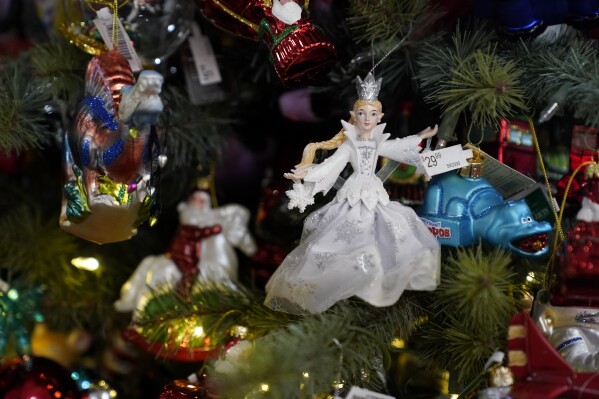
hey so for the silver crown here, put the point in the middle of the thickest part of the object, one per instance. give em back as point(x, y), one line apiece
point(368, 89)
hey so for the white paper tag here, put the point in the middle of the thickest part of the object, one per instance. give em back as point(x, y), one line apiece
point(203, 57)
point(361, 393)
point(506, 180)
point(444, 160)
point(125, 47)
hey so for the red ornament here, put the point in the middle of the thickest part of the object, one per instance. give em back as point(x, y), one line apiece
point(300, 52)
point(171, 350)
point(40, 379)
point(577, 274)
point(577, 270)
point(183, 389)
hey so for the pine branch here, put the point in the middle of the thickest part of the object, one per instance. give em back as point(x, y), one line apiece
point(458, 349)
point(387, 20)
point(72, 297)
point(440, 58)
point(470, 310)
point(304, 358)
point(22, 102)
point(193, 134)
point(571, 67)
point(60, 66)
point(487, 87)
point(283, 343)
point(478, 289)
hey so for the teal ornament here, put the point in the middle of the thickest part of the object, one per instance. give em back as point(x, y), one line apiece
point(19, 309)
point(462, 211)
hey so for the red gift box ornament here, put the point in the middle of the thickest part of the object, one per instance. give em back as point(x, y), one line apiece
point(299, 50)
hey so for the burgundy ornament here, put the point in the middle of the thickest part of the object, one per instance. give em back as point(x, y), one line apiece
point(299, 51)
point(40, 378)
point(183, 389)
point(170, 349)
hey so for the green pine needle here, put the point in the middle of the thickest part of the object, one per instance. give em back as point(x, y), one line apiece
point(486, 86)
point(571, 64)
point(375, 20)
point(305, 358)
point(471, 309)
point(478, 284)
point(72, 297)
point(61, 67)
point(22, 103)
point(460, 350)
point(439, 58)
point(193, 134)
point(285, 346)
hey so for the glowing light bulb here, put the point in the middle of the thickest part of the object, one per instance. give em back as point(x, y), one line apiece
point(83, 263)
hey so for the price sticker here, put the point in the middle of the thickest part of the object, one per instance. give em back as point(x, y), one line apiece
point(125, 47)
point(508, 181)
point(203, 57)
point(361, 393)
point(444, 160)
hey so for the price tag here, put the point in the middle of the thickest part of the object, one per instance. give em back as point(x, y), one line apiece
point(361, 393)
point(125, 47)
point(508, 181)
point(203, 57)
point(539, 202)
point(444, 160)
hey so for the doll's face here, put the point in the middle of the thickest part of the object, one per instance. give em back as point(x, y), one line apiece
point(199, 200)
point(366, 117)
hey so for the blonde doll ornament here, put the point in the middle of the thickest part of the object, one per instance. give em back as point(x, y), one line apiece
point(361, 243)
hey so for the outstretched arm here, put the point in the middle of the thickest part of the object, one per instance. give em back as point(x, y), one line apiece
point(317, 178)
point(428, 132)
point(407, 149)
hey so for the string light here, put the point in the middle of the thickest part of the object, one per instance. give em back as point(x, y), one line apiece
point(83, 263)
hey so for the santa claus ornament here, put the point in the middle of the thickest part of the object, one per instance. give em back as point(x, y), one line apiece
point(299, 50)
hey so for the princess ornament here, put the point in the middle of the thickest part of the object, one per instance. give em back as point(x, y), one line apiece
point(361, 243)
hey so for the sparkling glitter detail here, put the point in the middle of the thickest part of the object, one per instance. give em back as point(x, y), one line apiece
point(368, 89)
point(113, 152)
point(299, 197)
point(322, 258)
point(366, 157)
point(347, 231)
point(85, 153)
point(96, 106)
point(399, 234)
point(364, 262)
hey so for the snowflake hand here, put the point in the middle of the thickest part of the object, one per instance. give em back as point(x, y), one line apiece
point(299, 197)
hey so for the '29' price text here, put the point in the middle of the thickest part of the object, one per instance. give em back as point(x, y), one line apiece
point(432, 160)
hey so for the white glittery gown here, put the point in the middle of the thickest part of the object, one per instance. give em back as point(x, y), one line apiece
point(361, 243)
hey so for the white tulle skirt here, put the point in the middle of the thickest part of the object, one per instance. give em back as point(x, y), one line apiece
point(344, 251)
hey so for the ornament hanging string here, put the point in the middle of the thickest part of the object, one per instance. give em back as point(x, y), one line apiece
point(558, 218)
point(395, 47)
point(540, 157)
point(114, 7)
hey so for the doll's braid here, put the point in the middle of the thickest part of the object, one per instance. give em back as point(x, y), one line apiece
point(338, 139)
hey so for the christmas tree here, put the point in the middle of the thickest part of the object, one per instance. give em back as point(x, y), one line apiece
point(143, 213)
